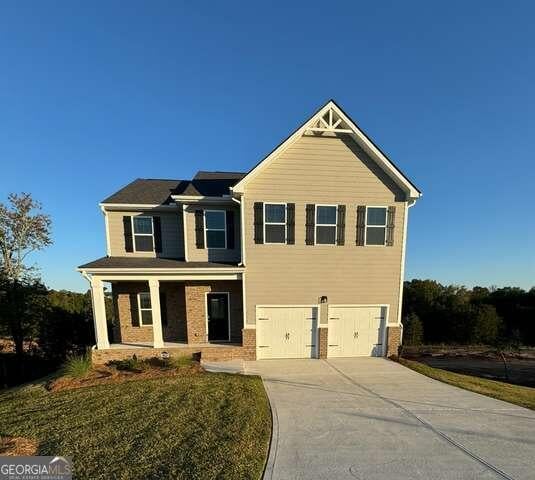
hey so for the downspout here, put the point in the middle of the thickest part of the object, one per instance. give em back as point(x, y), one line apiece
point(242, 233)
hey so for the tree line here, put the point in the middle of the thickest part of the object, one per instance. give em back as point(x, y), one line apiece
point(451, 314)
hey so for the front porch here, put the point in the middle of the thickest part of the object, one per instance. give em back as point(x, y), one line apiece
point(171, 315)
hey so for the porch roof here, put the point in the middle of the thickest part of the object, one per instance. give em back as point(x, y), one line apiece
point(150, 263)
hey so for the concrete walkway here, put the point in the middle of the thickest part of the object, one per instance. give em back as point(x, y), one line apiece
point(370, 418)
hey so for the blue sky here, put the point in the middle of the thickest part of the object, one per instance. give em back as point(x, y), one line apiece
point(95, 94)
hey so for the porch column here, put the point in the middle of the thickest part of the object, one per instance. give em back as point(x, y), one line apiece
point(99, 314)
point(154, 286)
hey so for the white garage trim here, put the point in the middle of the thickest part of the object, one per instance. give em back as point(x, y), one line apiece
point(288, 306)
point(368, 305)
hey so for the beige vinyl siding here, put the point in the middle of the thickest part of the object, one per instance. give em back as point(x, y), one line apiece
point(172, 234)
point(213, 255)
point(323, 170)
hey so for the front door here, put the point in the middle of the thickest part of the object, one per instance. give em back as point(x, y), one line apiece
point(218, 316)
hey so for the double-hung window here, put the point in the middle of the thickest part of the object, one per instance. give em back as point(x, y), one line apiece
point(215, 222)
point(143, 234)
point(275, 222)
point(376, 225)
point(145, 308)
point(326, 217)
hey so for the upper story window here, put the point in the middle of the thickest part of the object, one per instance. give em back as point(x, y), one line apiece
point(215, 228)
point(376, 225)
point(143, 234)
point(145, 308)
point(326, 218)
point(275, 222)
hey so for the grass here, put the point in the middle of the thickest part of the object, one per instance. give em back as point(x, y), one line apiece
point(519, 395)
point(77, 366)
point(199, 426)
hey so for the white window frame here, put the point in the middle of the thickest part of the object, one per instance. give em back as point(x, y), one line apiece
point(285, 223)
point(139, 309)
point(142, 234)
point(224, 229)
point(378, 226)
point(316, 225)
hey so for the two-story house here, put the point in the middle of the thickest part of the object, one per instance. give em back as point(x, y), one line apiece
point(303, 256)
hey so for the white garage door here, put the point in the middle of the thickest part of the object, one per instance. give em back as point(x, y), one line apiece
point(356, 331)
point(286, 332)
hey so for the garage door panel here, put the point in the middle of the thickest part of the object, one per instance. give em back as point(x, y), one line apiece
point(286, 332)
point(356, 331)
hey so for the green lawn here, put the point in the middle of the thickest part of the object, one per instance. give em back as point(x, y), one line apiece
point(523, 396)
point(199, 426)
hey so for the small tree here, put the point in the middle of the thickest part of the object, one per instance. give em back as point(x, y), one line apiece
point(413, 332)
point(486, 325)
point(23, 230)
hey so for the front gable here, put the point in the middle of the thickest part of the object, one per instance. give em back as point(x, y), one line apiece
point(333, 136)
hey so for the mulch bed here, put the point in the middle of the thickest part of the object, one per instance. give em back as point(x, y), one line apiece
point(17, 446)
point(104, 375)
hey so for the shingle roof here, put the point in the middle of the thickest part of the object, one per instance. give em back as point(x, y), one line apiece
point(150, 262)
point(158, 191)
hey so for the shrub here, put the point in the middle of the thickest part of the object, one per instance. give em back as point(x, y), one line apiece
point(128, 365)
point(77, 366)
point(136, 365)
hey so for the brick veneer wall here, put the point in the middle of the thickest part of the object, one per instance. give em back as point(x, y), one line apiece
point(195, 293)
point(127, 328)
point(249, 343)
point(186, 311)
point(322, 342)
point(393, 340)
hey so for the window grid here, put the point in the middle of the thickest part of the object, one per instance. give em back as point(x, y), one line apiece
point(224, 229)
point(332, 225)
point(142, 309)
point(266, 223)
point(375, 226)
point(133, 219)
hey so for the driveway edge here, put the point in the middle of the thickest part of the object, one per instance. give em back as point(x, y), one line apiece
point(274, 440)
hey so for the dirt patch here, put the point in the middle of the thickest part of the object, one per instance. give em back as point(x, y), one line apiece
point(17, 446)
point(518, 371)
point(104, 375)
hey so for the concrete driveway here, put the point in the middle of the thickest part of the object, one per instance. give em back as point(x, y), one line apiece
point(370, 418)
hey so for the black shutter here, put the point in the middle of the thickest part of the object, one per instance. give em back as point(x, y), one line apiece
point(341, 225)
point(199, 228)
point(310, 224)
point(134, 312)
point(390, 219)
point(230, 229)
point(163, 308)
point(290, 223)
point(258, 222)
point(157, 225)
point(128, 240)
point(361, 224)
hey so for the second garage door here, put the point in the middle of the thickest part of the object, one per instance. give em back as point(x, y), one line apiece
point(286, 332)
point(356, 331)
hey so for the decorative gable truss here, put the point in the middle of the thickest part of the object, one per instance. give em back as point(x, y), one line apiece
point(329, 122)
point(331, 119)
